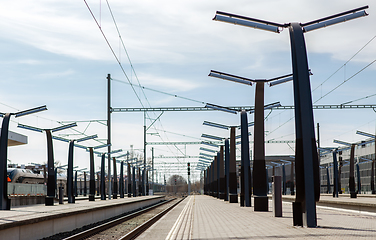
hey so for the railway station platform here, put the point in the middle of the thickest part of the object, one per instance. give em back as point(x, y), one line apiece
point(39, 221)
point(206, 217)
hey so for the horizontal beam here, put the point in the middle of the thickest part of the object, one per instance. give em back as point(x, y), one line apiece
point(182, 143)
point(215, 142)
point(174, 163)
point(239, 108)
point(176, 156)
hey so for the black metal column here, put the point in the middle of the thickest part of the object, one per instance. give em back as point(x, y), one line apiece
point(306, 159)
point(134, 181)
point(85, 186)
point(246, 163)
point(75, 190)
point(222, 180)
point(233, 188)
point(283, 179)
point(103, 177)
point(358, 179)
point(352, 174)
point(70, 189)
point(335, 174)
point(129, 179)
point(121, 180)
point(139, 182)
point(4, 200)
point(327, 181)
point(115, 190)
point(292, 182)
point(92, 176)
point(227, 170)
point(51, 182)
point(147, 182)
point(259, 175)
point(373, 175)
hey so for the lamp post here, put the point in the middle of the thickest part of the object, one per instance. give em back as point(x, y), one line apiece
point(4, 200)
point(306, 165)
point(92, 173)
point(351, 172)
point(259, 175)
point(51, 182)
point(70, 191)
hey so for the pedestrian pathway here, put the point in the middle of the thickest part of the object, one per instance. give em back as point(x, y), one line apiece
point(205, 217)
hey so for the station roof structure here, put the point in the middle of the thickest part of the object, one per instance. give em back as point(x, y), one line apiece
point(15, 139)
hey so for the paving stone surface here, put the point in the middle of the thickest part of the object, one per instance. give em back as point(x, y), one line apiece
point(205, 217)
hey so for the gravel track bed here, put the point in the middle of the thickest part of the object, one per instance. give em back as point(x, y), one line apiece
point(122, 229)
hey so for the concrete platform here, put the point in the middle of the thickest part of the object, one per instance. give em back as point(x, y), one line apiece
point(39, 221)
point(205, 217)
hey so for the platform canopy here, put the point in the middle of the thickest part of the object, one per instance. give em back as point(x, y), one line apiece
point(15, 139)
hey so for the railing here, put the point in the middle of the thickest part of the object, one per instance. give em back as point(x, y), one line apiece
point(22, 189)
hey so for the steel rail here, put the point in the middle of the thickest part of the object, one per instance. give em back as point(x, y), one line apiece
point(105, 226)
point(143, 227)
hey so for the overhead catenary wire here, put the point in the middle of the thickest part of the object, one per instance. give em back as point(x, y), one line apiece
point(118, 60)
point(339, 85)
point(343, 65)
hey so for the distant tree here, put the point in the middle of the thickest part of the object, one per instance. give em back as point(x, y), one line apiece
point(181, 185)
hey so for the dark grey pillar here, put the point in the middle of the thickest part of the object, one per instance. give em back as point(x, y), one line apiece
point(70, 188)
point(147, 182)
point(75, 184)
point(85, 187)
point(227, 169)
point(283, 179)
point(246, 162)
point(134, 181)
point(51, 182)
point(352, 174)
point(340, 173)
point(233, 188)
point(259, 179)
point(115, 191)
point(292, 183)
point(139, 182)
point(121, 183)
point(335, 174)
point(92, 176)
point(216, 176)
point(129, 179)
point(98, 184)
point(373, 175)
point(327, 181)
point(358, 178)
point(306, 159)
point(222, 180)
point(4, 200)
point(103, 178)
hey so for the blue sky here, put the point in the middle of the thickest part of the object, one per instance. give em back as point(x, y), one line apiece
point(54, 54)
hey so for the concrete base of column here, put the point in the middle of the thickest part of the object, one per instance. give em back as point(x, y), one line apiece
point(233, 198)
point(261, 203)
point(222, 196)
point(49, 201)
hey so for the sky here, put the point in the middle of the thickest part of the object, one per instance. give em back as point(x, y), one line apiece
point(53, 53)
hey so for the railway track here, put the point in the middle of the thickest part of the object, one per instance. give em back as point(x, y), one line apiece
point(128, 226)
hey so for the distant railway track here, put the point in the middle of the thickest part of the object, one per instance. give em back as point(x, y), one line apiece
point(128, 226)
